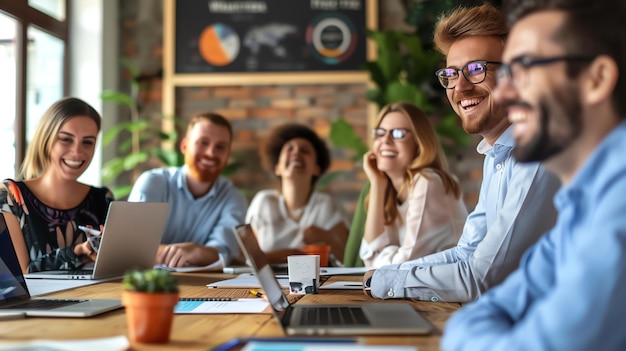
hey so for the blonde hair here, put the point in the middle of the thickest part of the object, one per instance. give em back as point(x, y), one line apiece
point(430, 156)
point(462, 22)
point(37, 158)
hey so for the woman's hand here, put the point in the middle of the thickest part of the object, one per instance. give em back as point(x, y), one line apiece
point(371, 168)
point(84, 249)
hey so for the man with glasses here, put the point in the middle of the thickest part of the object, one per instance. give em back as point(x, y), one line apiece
point(515, 203)
point(563, 84)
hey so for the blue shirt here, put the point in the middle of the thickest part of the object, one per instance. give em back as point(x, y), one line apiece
point(208, 220)
point(494, 238)
point(568, 293)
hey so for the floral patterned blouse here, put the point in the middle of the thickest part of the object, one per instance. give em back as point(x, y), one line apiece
point(51, 234)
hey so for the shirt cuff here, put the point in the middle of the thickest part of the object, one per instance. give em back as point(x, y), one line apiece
point(388, 283)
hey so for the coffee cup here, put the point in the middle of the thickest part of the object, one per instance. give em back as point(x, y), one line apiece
point(323, 250)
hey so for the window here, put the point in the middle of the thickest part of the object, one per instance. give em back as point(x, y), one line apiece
point(33, 64)
point(7, 95)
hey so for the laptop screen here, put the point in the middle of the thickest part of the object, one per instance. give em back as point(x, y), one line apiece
point(250, 247)
point(12, 283)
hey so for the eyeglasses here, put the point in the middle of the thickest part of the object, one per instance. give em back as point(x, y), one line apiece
point(517, 71)
point(474, 72)
point(396, 133)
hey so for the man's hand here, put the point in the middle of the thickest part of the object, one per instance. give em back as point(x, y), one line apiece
point(186, 254)
point(314, 235)
point(367, 279)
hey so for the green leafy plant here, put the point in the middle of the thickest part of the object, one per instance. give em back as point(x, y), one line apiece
point(403, 71)
point(151, 281)
point(139, 140)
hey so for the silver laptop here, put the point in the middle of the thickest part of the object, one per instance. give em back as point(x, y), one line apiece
point(381, 318)
point(130, 239)
point(15, 298)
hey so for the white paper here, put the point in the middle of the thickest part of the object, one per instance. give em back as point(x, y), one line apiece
point(255, 305)
point(344, 270)
point(102, 344)
point(245, 280)
point(215, 266)
point(38, 286)
point(343, 285)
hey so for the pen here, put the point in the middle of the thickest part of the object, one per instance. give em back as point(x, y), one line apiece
point(89, 230)
point(256, 293)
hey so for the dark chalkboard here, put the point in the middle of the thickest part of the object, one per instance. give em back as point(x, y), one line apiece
point(269, 35)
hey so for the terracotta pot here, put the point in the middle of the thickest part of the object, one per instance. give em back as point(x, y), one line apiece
point(149, 315)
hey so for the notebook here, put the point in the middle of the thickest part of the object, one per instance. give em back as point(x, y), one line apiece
point(14, 295)
point(130, 239)
point(380, 318)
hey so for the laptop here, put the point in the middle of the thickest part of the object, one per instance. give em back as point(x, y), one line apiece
point(15, 298)
point(381, 318)
point(130, 239)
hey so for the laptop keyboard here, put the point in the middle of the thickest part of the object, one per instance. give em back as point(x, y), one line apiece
point(37, 304)
point(332, 316)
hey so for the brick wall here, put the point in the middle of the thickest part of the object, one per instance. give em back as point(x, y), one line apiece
point(254, 110)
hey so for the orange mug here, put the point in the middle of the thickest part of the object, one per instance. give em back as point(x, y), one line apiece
point(318, 249)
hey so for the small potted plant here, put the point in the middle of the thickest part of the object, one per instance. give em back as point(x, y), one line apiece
point(149, 298)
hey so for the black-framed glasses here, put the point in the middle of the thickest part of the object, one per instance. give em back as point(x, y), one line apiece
point(516, 71)
point(396, 133)
point(474, 72)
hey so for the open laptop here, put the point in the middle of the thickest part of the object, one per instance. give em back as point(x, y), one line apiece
point(15, 298)
point(381, 318)
point(130, 239)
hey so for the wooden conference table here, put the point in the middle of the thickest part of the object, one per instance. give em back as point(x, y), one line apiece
point(206, 331)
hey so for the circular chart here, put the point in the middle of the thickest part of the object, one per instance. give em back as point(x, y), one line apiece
point(332, 38)
point(219, 44)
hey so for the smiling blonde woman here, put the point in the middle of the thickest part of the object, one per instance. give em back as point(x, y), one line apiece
point(414, 205)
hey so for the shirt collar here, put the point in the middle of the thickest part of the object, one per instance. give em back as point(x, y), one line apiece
point(504, 143)
point(582, 180)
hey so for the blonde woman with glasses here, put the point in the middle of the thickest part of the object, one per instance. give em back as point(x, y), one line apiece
point(414, 205)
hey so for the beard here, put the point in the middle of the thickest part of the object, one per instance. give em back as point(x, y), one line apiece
point(482, 124)
point(560, 123)
point(205, 176)
point(485, 122)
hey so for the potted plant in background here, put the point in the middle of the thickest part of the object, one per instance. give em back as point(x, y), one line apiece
point(149, 297)
point(141, 142)
point(139, 139)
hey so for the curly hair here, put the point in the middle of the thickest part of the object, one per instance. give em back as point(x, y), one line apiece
point(280, 135)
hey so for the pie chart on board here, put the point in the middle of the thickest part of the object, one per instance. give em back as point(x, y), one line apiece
point(332, 37)
point(219, 44)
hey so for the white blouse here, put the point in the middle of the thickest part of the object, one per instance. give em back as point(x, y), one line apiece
point(274, 229)
point(428, 221)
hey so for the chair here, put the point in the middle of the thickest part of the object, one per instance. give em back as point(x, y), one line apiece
point(351, 256)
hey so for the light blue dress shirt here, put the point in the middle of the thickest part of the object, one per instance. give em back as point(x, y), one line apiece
point(569, 291)
point(514, 209)
point(208, 220)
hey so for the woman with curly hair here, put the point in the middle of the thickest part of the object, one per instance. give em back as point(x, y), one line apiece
point(296, 215)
